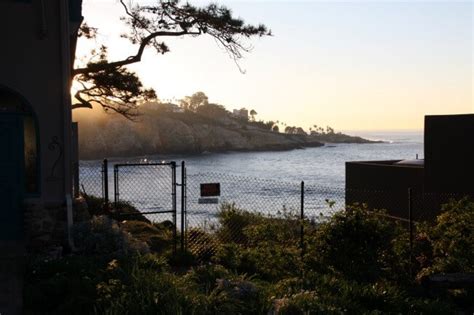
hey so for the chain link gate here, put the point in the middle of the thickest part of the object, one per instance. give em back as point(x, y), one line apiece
point(151, 188)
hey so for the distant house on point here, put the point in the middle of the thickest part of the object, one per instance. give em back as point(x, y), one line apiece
point(242, 113)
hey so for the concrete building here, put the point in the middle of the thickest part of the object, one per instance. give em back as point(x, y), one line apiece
point(38, 41)
point(446, 171)
point(242, 113)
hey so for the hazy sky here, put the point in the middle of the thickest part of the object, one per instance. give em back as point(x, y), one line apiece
point(352, 65)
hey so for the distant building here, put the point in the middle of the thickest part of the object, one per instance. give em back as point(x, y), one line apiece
point(241, 113)
point(446, 171)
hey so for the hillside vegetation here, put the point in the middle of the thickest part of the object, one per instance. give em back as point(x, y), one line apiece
point(164, 128)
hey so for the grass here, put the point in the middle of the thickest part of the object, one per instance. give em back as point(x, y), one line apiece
point(253, 264)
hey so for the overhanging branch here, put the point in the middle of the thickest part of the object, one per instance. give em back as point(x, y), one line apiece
point(131, 59)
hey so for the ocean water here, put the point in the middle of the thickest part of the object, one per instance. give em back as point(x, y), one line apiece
point(323, 166)
point(259, 181)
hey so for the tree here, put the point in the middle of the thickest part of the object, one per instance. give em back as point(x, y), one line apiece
point(214, 111)
point(290, 130)
point(117, 89)
point(114, 87)
point(275, 128)
point(194, 101)
point(253, 113)
point(300, 131)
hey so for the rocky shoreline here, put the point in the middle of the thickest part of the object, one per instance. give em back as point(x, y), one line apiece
point(171, 134)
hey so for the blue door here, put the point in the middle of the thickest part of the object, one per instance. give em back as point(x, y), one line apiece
point(11, 177)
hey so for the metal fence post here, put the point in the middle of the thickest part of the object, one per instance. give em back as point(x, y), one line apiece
point(302, 221)
point(410, 228)
point(105, 185)
point(75, 160)
point(173, 196)
point(185, 188)
point(116, 185)
point(183, 203)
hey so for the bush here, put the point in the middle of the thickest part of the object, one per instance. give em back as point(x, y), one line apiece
point(452, 238)
point(103, 236)
point(355, 243)
point(118, 211)
point(353, 264)
point(140, 291)
point(124, 210)
point(264, 246)
point(232, 223)
point(333, 295)
point(158, 238)
point(202, 245)
point(270, 263)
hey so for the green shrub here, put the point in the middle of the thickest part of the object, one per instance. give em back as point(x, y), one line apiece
point(274, 232)
point(158, 238)
point(124, 210)
point(205, 277)
point(355, 243)
point(141, 291)
point(201, 244)
point(353, 264)
point(103, 236)
point(232, 223)
point(119, 211)
point(329, 294)
point(452, 238)
point(237, 296)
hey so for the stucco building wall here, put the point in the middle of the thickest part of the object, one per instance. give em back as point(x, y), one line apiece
point(35, 64)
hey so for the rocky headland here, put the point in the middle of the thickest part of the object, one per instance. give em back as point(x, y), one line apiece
point(187, 133)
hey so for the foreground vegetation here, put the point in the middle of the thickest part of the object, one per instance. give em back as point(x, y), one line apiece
point(253, 264)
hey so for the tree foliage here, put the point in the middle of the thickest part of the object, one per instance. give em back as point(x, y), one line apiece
point(114, 87)
point(117, 89)
point(292, 130)
point(253, 113)
point(194, 101)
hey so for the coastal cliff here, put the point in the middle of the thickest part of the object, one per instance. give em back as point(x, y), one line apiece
point(170, 134)
point(160, 131)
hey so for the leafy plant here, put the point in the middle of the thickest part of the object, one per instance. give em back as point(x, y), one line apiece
point(355, 243)
point(103, 236)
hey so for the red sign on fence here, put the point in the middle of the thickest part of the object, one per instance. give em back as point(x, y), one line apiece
point(210, 190)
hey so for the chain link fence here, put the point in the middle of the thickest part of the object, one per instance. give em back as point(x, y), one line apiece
point(91, 180)
point(149, 188)
point(164, 192)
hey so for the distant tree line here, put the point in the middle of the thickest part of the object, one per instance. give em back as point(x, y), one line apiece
point(198, 103)
point(315, 130)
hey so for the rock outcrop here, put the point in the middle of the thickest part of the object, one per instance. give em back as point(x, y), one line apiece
point(171, 134)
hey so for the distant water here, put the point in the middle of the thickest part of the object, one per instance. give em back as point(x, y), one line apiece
point(322, 165)
point(258, 180)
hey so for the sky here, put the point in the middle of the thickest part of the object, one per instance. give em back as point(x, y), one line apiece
point(357, 65)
